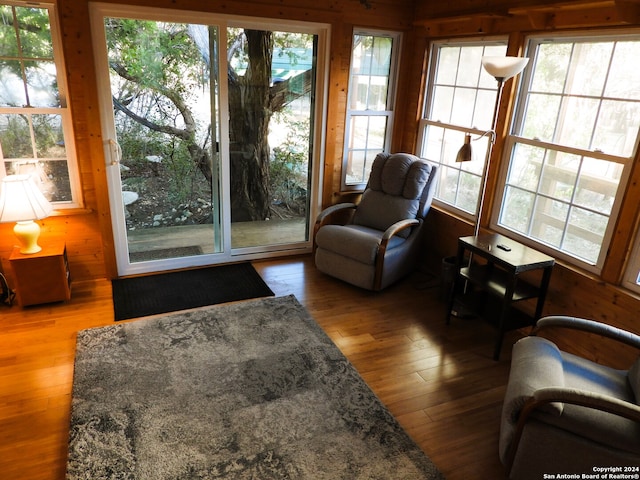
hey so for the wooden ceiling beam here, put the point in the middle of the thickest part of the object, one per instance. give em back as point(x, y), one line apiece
point(554, 6)
point(428, 11)
point(628, 10)
point(467, 14)
point(534, 16)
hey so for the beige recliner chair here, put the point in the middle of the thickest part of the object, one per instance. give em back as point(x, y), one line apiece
point(564, 414)
point(381, 242)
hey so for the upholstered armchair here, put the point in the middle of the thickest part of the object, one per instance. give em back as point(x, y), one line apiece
point(566, 414)
point(380, 243)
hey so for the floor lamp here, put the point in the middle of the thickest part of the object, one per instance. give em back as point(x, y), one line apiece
point(502, 69)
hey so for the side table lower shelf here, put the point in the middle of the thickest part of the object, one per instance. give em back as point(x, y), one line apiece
point(478, 304)
point(494, 281)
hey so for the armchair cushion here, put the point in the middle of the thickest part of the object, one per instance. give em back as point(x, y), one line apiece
point(394, 174)
point(536, 363)
point(354, 241)
point(589, 378)
point(379, 210)
point(395, 186)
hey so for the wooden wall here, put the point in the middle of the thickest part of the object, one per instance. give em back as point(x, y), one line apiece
point(88, 231)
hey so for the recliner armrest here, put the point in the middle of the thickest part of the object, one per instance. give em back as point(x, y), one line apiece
point(327, 212)
point(583, 398)
point(390, 232)
point(590, 326)
point(536, 364)
point(399, 226)
point(333, 209)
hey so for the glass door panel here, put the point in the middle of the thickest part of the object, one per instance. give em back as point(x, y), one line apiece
point(271, 110)
point(164, 98)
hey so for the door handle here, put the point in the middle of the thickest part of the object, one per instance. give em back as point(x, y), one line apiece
point(115, 152)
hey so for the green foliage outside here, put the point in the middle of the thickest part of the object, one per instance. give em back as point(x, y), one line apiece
point(289, 169)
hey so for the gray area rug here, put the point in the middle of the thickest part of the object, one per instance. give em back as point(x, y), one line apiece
point(249, 390)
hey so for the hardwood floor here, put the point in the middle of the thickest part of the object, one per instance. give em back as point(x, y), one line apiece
point(439, 381)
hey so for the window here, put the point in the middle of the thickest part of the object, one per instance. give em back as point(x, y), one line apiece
point(460, 99)
point(370, 105)
point(35, 123)
point(574, 137)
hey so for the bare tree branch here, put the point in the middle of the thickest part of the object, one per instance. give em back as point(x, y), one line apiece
point(153, 126)
point(281, 94)
point(173, 96)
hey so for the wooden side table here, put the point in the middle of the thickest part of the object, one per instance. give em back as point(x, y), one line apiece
point(41, 277)
point(505, 260)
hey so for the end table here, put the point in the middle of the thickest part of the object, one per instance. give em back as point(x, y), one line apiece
point(505, 259)
point(41, 277)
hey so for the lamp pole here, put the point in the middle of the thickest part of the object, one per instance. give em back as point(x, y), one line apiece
point(485, 170)
point(502, 69)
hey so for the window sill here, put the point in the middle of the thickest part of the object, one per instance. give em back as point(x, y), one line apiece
point(70, 212)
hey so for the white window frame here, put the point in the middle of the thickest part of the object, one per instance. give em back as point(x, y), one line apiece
point(514, 139)
point(453, 134)
point(63, 110)
point(396, 38)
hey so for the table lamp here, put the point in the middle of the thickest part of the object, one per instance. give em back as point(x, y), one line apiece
point(22, 202)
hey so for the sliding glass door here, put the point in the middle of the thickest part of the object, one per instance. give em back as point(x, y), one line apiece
point(271, 112)
point(203, 170)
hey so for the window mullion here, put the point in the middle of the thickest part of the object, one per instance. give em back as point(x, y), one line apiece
point(596, 154)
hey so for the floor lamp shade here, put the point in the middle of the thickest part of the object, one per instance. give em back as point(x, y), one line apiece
point(503, 68)
point(21, 201)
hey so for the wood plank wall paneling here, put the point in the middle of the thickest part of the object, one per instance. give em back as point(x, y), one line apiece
point(336, 109)
point(410, 91)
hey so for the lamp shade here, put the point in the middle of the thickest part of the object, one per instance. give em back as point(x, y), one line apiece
point(503, 68)
point(465, 153)
point(21, 200)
